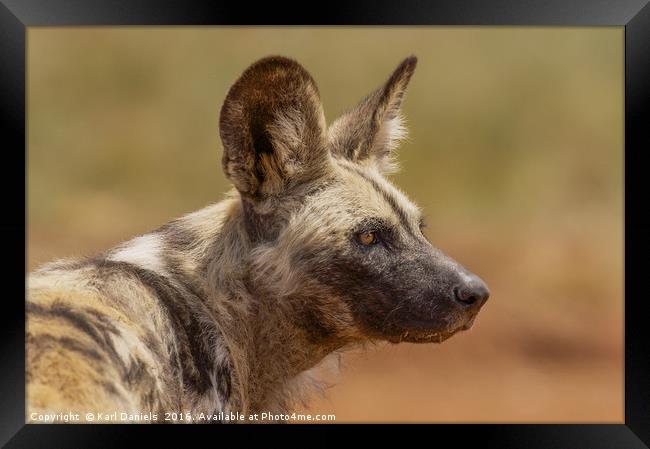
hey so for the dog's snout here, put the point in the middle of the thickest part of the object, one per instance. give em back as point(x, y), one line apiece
point(472, 292)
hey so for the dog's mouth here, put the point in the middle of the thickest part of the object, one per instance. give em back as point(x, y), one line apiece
point(422, 337)
point(416, 332)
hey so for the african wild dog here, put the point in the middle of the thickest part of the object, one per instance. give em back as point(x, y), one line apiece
point(227, 309)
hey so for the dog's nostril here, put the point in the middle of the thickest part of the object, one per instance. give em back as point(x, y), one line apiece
point(472, 293)
point(464, 296)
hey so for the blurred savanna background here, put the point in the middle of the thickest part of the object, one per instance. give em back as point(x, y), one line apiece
point(515, 155)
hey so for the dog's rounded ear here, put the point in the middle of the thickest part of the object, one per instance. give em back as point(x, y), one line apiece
point(370, 131)
point(272, 128)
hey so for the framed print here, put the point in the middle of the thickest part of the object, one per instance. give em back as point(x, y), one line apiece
point(431, 214)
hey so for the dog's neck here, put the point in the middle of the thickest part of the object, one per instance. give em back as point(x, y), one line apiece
point(269, 337)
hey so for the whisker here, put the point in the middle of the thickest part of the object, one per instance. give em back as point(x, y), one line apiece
point(395, 309)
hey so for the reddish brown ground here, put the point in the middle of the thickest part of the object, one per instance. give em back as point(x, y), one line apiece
point(547, 347)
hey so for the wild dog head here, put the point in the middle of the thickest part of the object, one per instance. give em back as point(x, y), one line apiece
point(330, 234)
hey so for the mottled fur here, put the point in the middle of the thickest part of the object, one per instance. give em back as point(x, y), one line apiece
point(231, 307)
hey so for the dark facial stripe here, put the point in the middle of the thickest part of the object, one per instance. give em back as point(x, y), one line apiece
point(390, 199)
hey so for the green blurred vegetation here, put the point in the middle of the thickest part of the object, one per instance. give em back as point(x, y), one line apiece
point(505, 122)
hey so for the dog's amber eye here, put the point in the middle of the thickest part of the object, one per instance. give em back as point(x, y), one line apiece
point(367, 238)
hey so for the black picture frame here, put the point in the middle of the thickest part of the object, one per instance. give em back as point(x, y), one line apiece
point(633, 15)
